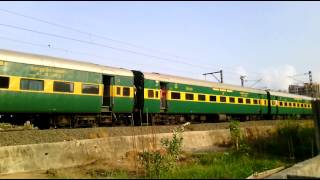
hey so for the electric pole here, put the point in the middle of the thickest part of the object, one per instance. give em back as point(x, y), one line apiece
point(212, 73)
point(242, 79)
point(310, 81)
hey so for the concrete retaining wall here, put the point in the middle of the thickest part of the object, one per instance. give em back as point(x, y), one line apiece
point(24, 158)
point(309, 168)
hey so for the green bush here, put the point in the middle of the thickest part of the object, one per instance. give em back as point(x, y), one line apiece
point(156, 163)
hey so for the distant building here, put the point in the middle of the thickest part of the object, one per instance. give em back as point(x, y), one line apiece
point(305, 90)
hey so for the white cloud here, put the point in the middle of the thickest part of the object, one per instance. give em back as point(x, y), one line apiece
point(316, 76)
point(241, 71)
point(277, 77)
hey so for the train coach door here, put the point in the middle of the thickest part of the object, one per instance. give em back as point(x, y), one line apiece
point(277, 105)
point(163, 96)
point(106, 90)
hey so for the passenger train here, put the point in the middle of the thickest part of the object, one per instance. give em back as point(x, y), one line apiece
point(57, 92)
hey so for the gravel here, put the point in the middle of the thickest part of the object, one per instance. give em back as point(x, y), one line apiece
point(11, 138)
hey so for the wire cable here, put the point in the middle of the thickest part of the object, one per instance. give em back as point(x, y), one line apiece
point(89, 34)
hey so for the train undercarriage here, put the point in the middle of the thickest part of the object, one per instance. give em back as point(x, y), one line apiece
point(46, 121)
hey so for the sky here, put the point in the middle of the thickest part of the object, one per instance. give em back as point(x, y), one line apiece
point(266, 41)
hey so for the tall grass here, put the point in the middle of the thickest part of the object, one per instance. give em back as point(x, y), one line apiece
point(223, 165)
point(291, 140)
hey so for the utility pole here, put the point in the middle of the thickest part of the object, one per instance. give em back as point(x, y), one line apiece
point(242, 79)
point(212, 73)
point(221, 76)
point(310, 83)
point(246, 80)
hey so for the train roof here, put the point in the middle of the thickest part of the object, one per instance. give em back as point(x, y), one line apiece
point(36, 59)
point(197, 82)
point(295, 96)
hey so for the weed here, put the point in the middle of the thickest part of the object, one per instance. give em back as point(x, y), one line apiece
point(235, 132)
point(158, 162)
point(103, 173)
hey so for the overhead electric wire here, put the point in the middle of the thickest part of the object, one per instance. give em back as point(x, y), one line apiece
point(88, 54)
point(110, 39)
point(100, 36)
point(101, 45)
point(89, 34)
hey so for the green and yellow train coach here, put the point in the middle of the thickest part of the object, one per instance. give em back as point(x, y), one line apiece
point(286, 105)
point(174, 98)
point(178, 98)
point(37, 86)
point(55, 91)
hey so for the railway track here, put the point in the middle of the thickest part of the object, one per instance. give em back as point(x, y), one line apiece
point(34, 136)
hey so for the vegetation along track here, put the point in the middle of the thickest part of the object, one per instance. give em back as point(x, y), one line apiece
point(10, 138)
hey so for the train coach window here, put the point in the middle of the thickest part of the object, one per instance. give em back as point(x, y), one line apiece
point(223, 99)
point(118, 91)
point(273, 103)
point(157, 94)
point(189, 97)
point(285, 104)
point(126, 91)
point(280, 103)
point(232, 100)
point(150, 93)
point(213, 98)
point(261, 101)
point(63, 86)
point(255, 101)
point(201, 97)
point(240, 100)
point(248, 101)
point(4, 82)
point(30, 84)
point(175, 95)
point(90, 89)
point(289, 104)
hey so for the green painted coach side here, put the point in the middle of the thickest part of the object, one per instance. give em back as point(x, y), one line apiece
point(34, 102)
point(151, 84)
point(151, 105)
point(123, 81)
point(280, 110)
point(209, 90)
point(176, 106)
point(122, 104)
point(47, 72)
point(62, 103)
point(212, 108)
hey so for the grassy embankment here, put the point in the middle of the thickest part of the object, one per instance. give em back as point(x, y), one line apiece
point(290, 143)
